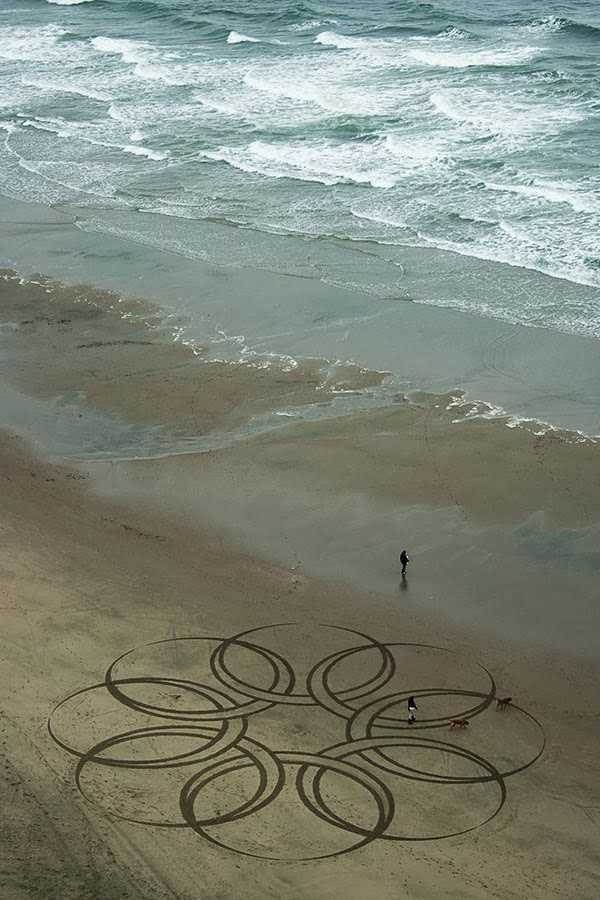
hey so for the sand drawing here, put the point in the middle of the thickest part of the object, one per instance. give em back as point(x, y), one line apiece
point(231, 737)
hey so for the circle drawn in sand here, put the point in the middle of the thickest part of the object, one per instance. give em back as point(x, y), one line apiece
point(180, 751)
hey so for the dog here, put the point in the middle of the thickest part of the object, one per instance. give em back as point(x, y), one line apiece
point(459, 723)
point(502, 704)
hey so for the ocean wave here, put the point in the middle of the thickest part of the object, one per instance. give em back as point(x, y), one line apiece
point(30, 43)
point(138, 150)
point(553, 192)
point(456, 107)
point(389, 218)
point(450, 32)
point(321, 162)
point(76, 131)
point(55, 126)
point(65, 87)
point(553, 24)
point(183, 19)
point(149, 62)
point(311, 24)
point(326, 89)
point(444, 50)
point(331, 39)
point(235, 37)
point(129, 51)
point(518, 114)
point(68, 2)
point(453, 59)
point(453, 32)
point(517, 254)
point(545, 24)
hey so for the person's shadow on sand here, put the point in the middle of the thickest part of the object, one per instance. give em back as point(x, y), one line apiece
point(403, 583)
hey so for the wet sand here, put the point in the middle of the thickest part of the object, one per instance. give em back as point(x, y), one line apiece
point(291, 533)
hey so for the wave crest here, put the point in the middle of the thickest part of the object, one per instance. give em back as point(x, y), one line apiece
point(235, 37)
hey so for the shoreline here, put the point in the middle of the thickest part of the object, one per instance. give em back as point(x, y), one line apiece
point(237, 315)
point(101, 386)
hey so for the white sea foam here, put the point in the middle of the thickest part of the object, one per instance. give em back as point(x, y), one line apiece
point(372, 53)
point(148, 61)
point(320, 161)
point(305, 92)
point(449, 50)
point(411, 152)
point(29, 44)
point(554, 192)
point(331, 39)
point(56, 126)
point(129, 51)
point(476, 409)
point(322, 90)
point(453, 59)
point(515, 253)
point(514, 116)
point(455, 106)
point(68, 2)
point(237, 106)
point(65, 86)
point(144, 151)
point(79, 131)
point(311, 24)
point(547, 24)
point(452, 33)
point(115, 113)
point(388, 218)
point(235, 37)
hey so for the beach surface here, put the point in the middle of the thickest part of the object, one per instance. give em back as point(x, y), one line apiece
point(207, 647)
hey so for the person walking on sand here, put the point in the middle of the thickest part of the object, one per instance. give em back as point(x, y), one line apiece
point(404, 561)
point(412, 708)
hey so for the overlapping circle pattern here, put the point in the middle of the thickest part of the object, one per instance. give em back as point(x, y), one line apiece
point(207, 741)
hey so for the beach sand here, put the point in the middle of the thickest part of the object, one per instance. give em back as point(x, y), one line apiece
point(287, 537)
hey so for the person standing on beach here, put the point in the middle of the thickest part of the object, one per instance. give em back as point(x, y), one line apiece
point(404, 561)
point(412, 708)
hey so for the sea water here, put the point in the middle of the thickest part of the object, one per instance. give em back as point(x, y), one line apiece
point(398, 151)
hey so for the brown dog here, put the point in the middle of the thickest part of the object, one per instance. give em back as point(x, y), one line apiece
point(502, 704)
point(459, 723)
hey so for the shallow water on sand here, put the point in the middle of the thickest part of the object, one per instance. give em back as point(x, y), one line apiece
point(323, 468)
point(261, 318)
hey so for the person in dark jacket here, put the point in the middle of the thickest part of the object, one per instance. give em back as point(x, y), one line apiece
point(412, 708)
point(404, 560)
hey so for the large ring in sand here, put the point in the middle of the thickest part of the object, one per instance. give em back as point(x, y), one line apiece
point(227, 732)
point(216, 742)
point(280, 668)
point(361, 726)
point(325, 697)
point(341, 751)
point(271, 781)
point(379, 792)
point(223, 673)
